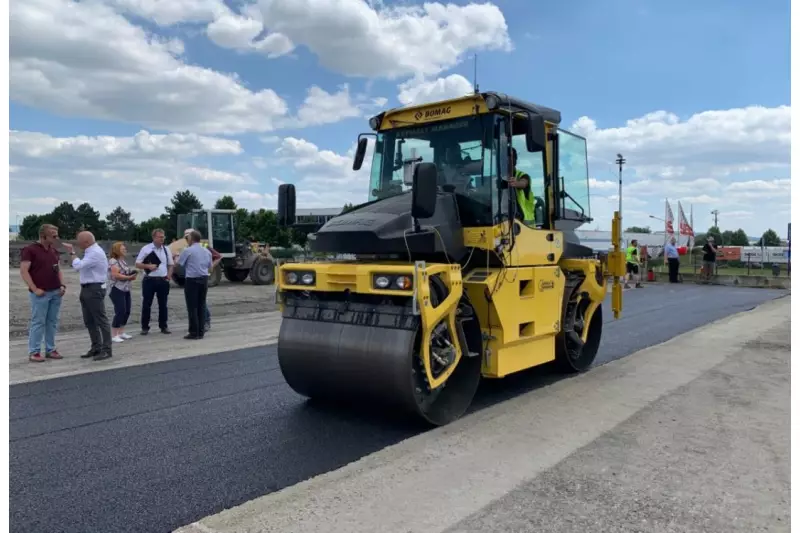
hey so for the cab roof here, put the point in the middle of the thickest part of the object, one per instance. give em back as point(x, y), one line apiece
point(504, 101)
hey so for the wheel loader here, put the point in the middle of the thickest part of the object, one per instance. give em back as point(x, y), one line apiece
point(239, 260)
point(450, 282)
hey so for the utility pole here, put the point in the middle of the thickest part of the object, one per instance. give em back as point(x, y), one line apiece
point(620, 161)
point(715, 212)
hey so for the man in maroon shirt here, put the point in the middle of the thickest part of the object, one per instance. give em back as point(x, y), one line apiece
point(42, 274)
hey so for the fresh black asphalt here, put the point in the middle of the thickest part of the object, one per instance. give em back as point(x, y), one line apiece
point(154, 447)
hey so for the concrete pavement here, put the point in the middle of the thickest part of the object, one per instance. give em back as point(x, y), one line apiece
point(690, 435)
point(227, 333)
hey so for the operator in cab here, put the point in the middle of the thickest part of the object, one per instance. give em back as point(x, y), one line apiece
point(521, 182)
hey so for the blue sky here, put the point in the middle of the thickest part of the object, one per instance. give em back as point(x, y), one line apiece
point(603, 64)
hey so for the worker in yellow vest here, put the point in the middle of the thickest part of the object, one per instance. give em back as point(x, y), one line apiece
point(521, 183)
point(632, 264)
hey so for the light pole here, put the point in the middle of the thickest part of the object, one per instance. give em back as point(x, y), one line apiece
point(715, 212)
point(620, 161)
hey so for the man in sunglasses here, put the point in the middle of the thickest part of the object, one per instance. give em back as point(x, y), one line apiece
point(42, 274)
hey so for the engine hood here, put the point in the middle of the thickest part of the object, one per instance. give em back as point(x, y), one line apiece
point(385, 227)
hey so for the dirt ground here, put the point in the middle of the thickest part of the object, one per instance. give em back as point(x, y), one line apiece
point(225, 299)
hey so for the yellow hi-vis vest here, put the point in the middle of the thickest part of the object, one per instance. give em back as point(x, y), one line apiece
point(526, 203)
point(629, 254)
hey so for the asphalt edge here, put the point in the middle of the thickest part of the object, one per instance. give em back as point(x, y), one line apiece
point(404, 447)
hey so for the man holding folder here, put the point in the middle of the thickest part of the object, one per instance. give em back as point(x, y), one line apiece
point(156, 261)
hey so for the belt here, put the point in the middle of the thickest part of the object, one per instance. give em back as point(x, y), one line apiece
point(90, 284)
point(155, 277)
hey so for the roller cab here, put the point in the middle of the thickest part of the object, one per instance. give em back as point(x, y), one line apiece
point(464, 262)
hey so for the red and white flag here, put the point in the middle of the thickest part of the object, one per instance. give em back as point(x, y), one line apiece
point(669, 222)
point(685, 227)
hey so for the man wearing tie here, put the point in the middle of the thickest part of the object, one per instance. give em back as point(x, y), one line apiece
point(93, 269)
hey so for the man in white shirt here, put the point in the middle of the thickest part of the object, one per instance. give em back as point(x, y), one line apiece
point(155, 282)
point(93, 269)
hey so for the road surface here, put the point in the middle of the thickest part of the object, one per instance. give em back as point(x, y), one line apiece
point(154, 447)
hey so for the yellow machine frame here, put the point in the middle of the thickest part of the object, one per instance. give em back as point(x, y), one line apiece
point(519, 308)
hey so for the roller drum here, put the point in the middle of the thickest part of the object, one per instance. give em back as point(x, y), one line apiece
point(348, 363)
point(356, 357)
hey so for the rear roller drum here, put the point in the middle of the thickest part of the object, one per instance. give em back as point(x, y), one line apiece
point(374, 365)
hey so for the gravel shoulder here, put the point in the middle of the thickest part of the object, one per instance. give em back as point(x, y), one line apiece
point(224, 300)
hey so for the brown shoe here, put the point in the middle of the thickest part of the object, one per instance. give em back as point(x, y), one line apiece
point(36, 358)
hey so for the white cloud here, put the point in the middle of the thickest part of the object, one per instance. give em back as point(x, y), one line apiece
point(239, 33)
point(324, 178)
point(321, 107)
point(418, 91)
point(724, 160)
point(143, 144)
point(710, 144)
point(352, 37)
point(169, 12)
point(84, 59)
point(140, 172)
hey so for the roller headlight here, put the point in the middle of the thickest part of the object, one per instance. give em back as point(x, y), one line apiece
point(298, 277)
point(390, 282)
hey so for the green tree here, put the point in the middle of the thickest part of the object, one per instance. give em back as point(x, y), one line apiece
point(89, 220)
point(716, 233)
point(182, 202)
point(347, 208)
point(727, 236)
point(638, 229)
point(121, 226)
point(144, 230)
point(226, 202)
point(66, 218)
point(739, 238)
point(29, 227)
point(770, 238)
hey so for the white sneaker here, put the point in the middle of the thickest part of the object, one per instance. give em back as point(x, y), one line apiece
point(117, 339)
point(125, 336)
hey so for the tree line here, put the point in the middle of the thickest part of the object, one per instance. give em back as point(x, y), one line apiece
point(725, 238)
point(260, 225)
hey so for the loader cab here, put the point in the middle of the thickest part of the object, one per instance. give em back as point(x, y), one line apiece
point(221, 223)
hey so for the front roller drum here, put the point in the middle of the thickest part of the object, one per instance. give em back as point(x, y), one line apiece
point(371, 365)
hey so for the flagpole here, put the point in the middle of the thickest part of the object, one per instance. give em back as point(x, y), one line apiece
point(691, 238)
point(666, 225)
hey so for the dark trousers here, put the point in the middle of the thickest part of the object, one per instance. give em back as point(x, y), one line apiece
point(122, 307)
point(673, 263)
point(93, 305)
point(158, 288)
point(195, 290)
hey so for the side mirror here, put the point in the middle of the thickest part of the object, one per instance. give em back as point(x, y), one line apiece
point(361, 150)
point(286, 205)
point(536, 134)
point(423, 193)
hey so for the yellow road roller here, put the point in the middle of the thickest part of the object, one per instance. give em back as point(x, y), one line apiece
point(462, 264)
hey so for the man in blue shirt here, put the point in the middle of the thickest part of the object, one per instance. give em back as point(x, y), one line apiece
point(673, 260)
point(196, 261)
